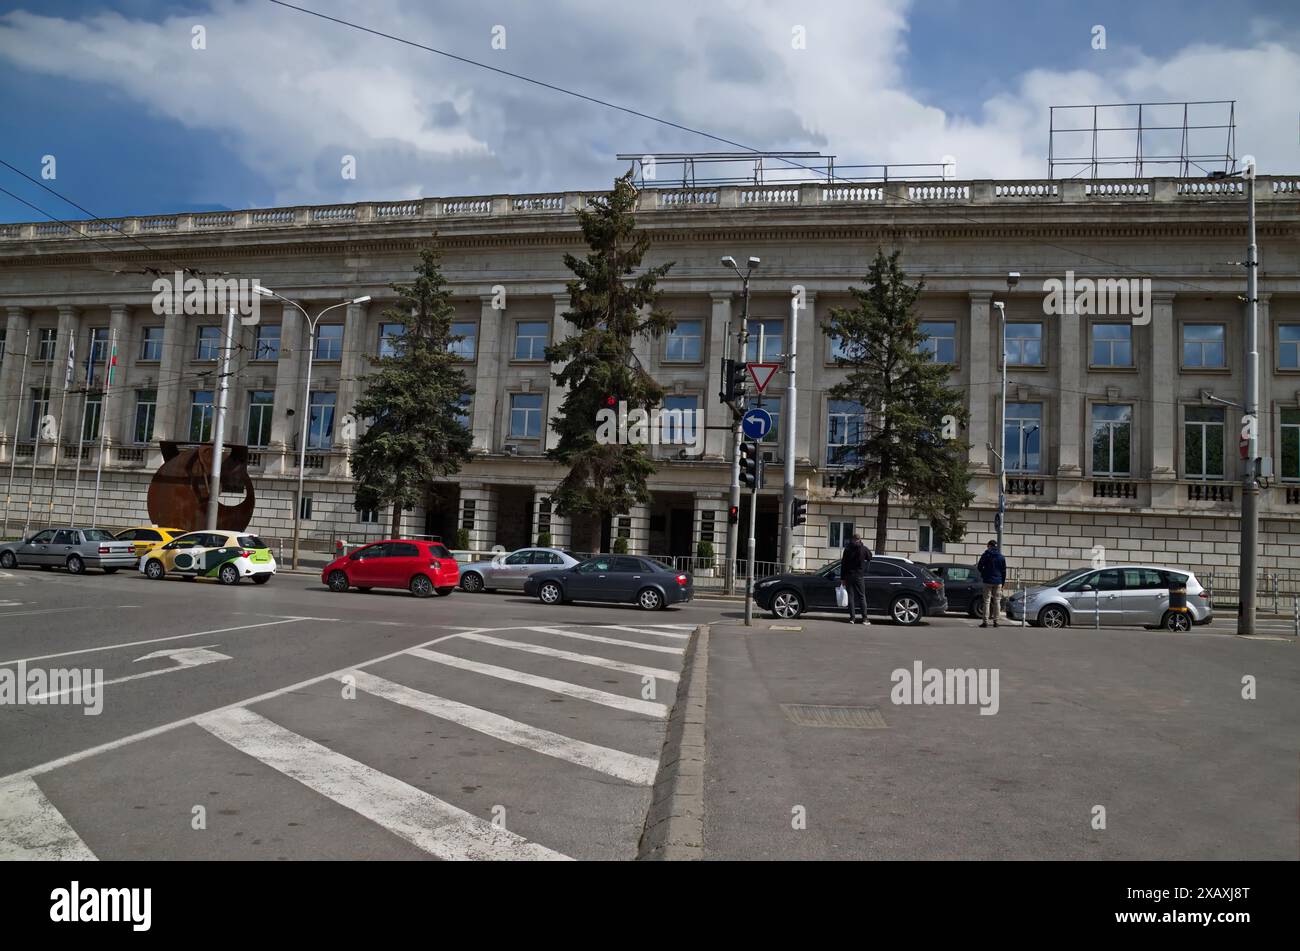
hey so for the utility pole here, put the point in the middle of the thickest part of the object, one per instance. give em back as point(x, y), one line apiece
point(44, 401)
point(790, 413)
point(733, 528)
point(219, 424)
point(81, 431)
point(109, 365)
point(1002, 424)
point(1250, 481)
point(18, 422)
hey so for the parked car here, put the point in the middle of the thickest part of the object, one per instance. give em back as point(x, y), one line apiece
point(224, 555)
point(623, 579)
point(418, 565)
point(1112, 597)
point(148, 537)
point(75, 549)
point(897, 587)
point(961, 586)
point(508, 572)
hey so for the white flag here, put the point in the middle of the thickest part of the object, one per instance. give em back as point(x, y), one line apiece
point(72, 360)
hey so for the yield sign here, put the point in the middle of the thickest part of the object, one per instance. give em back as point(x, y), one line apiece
point(762, 374)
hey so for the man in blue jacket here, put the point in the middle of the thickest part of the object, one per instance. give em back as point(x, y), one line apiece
point(993, 572)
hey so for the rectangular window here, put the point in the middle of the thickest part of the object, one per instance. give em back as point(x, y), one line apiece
point(1112, 345)
point(48, 337)
point(368, 516)
point(151, 344)
point(201, 416)
point(525, 415)
point(530, 339)
point(930, 539)
point(941, 340)
point(836, 349)
point(840, 534)
point(1025, 345)
point(463, 417)
point(99, 346)
point(464, 344)
point(268, 342)
point(40, 409)
point(1290, 462)
point(1112, 432)
point(304, 510)
point(1024, 432)
point(772, 333)
point(707, 522)
point(320, 422)
point(93, 414)
point(1203, 345)
point(467, 510)
point(388, 333)
point(146, 408)
point(329, 342)
point(686, 342)
point(844, 428)
point(1288, 347)
point(773, 406)
point(260, 404)
point(209, 343)
point(680, 420)
point(1203, 431)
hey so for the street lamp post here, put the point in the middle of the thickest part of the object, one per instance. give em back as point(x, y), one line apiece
point(733, 528)
point(306, 412)
point(1002, 424)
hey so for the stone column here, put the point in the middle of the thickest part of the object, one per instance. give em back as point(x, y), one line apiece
point(808, 404)
point(172, 401)
point(1070, 427)
point(1267, 428)
point(1161, 390)
point(559, 529)
point(288, 383)
point(983, 340)
point(715, 503)
point(639, 538)
point(717, 442)
point(12, 397)
point(357, 343)
point(487, 374)
point(555, 393)
point(65, 407)
point(118, 411)
point(483, 503)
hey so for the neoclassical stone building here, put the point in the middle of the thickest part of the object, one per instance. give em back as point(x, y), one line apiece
point(1121, 429)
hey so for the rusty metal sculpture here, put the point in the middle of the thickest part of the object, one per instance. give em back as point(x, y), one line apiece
point(179, 492)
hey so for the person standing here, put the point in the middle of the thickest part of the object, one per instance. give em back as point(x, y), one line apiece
point(993, 572)
point(853, 569)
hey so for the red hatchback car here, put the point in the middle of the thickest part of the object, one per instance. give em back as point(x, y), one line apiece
point(420, 566)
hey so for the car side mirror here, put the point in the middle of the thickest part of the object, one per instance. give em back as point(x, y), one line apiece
point(1086, 587)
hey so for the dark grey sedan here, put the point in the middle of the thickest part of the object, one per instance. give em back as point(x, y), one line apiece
point(75, 549)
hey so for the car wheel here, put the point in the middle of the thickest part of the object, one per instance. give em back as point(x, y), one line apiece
point(261, 579)
point(443, 592)
point(8, 560)
point(787, 605)
point(154, 570)
point(421, 586)
point(337, 581)
point(228, 574)
point(75, 565)
point(472, 582)
point(550, 593)
point(906, 609)
point(1054, 617)
point(650, 599)
point(1179, 621)
point(977, 609)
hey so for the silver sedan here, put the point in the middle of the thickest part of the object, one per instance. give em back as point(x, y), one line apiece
point(508, 572)
point(1113, 597)
point(75, 549)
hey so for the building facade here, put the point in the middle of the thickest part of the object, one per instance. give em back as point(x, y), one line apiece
point(1123, 413)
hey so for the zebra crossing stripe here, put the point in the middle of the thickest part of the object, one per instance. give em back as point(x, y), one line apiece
point(609, 640)
point(32, 829)
point(577, 691)
point(638, 669)
point(634, 769)
point(424, 820)
point(645, 630)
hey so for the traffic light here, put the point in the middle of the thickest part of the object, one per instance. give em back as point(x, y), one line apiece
point(733, 514)
point(751, 465)
point(799, 513)
point(734, 378)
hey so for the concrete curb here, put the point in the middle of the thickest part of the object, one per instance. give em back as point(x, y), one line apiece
point(674, 827)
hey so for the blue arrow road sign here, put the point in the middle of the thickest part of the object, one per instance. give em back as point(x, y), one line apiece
point(757, 423)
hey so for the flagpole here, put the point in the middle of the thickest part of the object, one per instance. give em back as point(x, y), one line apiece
point(110, 364)
point(58, 436)
point(18, 424)
point(81, 432)
point(36, 449)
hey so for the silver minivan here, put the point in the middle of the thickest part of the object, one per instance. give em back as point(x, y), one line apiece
point(1114, 596)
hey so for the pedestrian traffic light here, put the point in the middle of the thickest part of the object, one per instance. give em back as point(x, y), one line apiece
point(799, 513)
point(733, 514)
point(751, 465)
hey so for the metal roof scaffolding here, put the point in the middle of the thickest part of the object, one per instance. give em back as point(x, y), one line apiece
point(1184, 136)
point(701, 169)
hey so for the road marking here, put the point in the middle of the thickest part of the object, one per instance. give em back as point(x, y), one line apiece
point(576, 658)
point(577, 691)
point(424, 820)
point(32, 829)
point(644, 630)
point(609, 640)
point(185, 658)
point(634, 769)
point(118, 607)
point(154, 640)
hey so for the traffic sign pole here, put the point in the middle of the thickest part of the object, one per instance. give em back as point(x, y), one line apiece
point(790, 412)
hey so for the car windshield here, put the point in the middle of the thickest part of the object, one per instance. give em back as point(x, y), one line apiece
point(97, 535)
point(251, 541)
point(1067, 577)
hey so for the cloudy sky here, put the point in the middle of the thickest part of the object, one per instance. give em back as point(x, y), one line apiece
point(139, 121)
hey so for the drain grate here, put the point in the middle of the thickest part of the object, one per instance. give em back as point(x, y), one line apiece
point(850, 718)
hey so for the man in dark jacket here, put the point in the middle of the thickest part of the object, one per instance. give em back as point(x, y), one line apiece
point(853, 568)
point(993, 572)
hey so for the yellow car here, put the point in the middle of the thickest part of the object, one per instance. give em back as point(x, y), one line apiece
point(148, 537)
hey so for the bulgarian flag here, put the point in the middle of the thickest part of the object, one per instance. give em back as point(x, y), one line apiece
point(112, 365)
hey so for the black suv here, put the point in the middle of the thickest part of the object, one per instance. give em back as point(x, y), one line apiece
point(896, 587)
